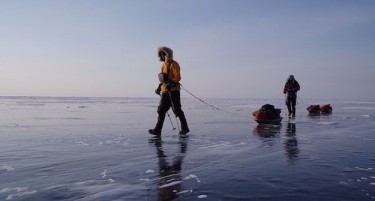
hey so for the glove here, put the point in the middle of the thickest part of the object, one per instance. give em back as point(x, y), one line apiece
point(163, 77)
point(169, 86)
point(158, 90)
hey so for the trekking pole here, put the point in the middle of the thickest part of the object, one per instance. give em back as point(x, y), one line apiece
point(169, 117)
point(173, 128)
point(174, 111)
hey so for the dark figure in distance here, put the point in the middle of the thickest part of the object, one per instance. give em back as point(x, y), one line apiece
point(169, 88)
point(290, 89)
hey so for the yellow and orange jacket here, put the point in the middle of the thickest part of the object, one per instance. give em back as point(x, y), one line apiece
point(172, 69)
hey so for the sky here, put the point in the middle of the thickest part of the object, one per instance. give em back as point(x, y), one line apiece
point(226, 48)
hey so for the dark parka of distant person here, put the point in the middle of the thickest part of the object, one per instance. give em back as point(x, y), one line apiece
point(290, 89)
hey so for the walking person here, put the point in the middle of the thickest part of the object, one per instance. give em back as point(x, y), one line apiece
point(290, 89)
point(169, 88)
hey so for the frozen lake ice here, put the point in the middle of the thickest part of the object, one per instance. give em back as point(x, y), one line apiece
point(99, 149)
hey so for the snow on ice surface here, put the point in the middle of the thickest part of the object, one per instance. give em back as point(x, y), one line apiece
point(7, 168)
point(99, 149)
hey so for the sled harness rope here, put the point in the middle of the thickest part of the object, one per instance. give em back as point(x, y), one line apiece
point(213, 107)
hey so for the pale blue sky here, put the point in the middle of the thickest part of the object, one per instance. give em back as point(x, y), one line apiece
point(241, 48)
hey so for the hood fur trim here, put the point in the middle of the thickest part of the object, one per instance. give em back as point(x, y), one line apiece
point(165, 54)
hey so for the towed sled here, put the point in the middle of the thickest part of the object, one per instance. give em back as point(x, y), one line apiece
point(326, 109)
point(317, 109)
point(267, 114)
point(314, 109)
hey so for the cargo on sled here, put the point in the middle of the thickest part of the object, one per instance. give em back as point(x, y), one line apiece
point(326, 109)
point(267, 114)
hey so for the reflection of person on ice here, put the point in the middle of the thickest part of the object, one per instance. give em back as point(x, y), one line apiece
point(291, 87)
point(170, 91)
point(170, 172)
point(291, 143)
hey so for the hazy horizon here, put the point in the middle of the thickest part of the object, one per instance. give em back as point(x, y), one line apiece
point(226, 49)
point(185, 96)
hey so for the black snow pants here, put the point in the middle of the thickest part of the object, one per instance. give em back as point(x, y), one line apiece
point(168, 100)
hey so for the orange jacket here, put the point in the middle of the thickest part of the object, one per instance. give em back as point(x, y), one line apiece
point(172, 69)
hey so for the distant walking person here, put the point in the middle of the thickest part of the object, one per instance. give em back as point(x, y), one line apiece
point(170, 91)
point(291, 87)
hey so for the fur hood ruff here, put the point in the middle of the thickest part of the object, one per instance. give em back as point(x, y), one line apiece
point(165, 54)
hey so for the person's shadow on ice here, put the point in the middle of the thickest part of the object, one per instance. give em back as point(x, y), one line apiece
point(169, 185)
point(291, 143)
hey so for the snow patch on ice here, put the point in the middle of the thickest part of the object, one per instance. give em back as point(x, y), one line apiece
point(349, 118)
point(328, 123)
point(170, 184)
point(360, 108)
point(82, 183)
point(19, 192)
point(363, 169)
point(202, 196)
point(80, 142)
point(184, 191)
point(7, 168)
point(150, 171)
point(192, 176)
point(367, 115)
point(101, 189)
point(343, 183)
point(104, 173)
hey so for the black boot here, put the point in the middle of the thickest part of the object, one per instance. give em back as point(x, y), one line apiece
point(184, 125)
point(158, 127)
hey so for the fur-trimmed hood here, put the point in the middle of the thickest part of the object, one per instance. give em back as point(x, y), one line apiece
point(165, 54)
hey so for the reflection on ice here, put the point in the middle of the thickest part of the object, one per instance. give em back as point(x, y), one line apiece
point(267, 130)
point(170, 181)
point(291, 143)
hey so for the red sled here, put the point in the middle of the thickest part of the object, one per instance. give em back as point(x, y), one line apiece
point(326, 109)
point(268, 114)
point(314, 109)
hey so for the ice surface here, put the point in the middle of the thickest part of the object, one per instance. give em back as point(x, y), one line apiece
point(99, 149)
